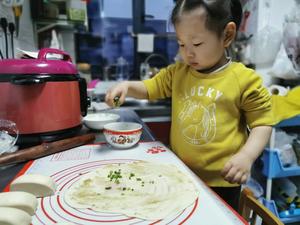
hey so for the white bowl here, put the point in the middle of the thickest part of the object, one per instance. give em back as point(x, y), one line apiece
point(122, 134)
point(96, 121)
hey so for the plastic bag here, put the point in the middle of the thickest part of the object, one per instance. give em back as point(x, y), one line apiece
point(287, 155)
point(282, 138)
point(9, 134)
point(283, 67)
point(283, 144)
point(291, 40)
point(265, 45)
point(287, 63)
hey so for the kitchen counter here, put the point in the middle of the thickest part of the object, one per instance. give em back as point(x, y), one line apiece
point(8, 173)
point(65, 167)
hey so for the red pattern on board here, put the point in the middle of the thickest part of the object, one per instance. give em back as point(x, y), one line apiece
point(122, 132)
point(156, 150)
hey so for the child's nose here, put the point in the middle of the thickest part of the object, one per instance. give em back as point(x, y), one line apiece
point(189, 52)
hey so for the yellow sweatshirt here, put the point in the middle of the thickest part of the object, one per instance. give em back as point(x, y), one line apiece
point(210, 114)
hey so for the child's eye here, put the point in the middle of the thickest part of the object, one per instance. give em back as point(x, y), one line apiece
point(198, 44)
point(181, 45)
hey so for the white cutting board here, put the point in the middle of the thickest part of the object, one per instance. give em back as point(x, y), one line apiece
point(67, 167)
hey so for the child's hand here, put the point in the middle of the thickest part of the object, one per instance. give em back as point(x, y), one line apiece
point(120, 90)
point(237, 169)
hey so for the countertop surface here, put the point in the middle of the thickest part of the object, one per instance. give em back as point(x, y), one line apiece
point(8, 173)
point(65, 167)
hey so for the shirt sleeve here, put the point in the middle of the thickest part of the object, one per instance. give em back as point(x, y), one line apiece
point(256, 101)
point(160, 86)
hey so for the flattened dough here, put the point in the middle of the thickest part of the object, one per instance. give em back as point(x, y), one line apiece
point(20, 200)
point(13, 216)
point(36, 184)
point(145, 190)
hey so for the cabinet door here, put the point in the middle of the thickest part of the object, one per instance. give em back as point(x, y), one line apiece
point(161, 131)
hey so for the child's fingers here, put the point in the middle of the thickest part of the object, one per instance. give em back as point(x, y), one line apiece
point(114, 96)
point(226, 169)
point(235, 175)
point(244, 178)
point(231, 174)
point(109, 99)
point(122, 98)
point(237, 178)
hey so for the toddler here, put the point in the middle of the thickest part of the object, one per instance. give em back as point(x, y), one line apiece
point(221, 112)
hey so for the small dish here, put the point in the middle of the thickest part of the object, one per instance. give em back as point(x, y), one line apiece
point(96, 121)
point(122, 134)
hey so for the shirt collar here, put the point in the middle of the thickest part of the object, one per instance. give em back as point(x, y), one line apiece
point(224, 66)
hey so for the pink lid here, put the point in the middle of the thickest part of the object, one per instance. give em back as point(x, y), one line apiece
point(41, 65)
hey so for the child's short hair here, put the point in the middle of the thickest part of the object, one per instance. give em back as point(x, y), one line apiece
point(219, 12)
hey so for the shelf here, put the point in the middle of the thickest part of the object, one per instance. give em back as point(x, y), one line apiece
point(287, 216)
point(58, 21)
point(46, 24)
point(273, 167)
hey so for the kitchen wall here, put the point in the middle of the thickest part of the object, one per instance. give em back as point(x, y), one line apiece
point(268, 11)
point(25, 39)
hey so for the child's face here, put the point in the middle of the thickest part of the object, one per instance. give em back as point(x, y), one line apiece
point(199, 47)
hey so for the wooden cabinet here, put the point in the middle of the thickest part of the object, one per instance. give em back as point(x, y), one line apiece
point(161, 131)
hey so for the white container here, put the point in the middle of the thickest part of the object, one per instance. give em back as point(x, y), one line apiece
point(122, 134)
point(96, 121)
point(122, 72)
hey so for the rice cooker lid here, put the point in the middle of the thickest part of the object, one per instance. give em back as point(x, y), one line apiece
point(49, 61)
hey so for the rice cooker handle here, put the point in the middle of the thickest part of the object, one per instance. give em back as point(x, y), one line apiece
point(45, 51)
point(28, 80)
point(83, 96)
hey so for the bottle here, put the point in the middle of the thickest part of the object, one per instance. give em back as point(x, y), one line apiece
point(122, 70)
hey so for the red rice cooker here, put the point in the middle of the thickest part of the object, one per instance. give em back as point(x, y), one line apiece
point(45, 97)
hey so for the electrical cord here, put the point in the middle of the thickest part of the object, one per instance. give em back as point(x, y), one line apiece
point(11, 28)
point(1, 55)
point(3, 23)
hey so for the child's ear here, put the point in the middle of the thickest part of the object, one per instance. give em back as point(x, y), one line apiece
point(229, 34)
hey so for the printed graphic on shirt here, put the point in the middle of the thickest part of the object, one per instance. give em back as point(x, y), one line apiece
point(205, 91)
point(198, 121)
